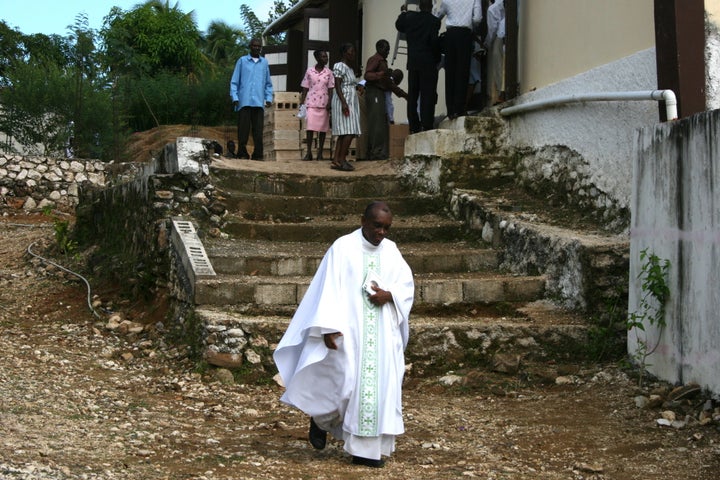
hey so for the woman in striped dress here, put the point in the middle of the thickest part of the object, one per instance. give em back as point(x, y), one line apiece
point(345, 108)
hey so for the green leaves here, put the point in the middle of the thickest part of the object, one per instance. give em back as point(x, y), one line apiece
point(651, 310)
point(151, 38)
point(145, 66)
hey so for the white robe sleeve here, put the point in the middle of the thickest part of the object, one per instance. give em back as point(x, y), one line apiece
point(316, 314)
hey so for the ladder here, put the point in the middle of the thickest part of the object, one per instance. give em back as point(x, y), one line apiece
point(400, 40)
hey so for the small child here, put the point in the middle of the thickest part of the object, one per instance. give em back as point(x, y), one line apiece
point(396, 76)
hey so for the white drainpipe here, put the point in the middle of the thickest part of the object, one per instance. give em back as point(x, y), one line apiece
point(668, 96)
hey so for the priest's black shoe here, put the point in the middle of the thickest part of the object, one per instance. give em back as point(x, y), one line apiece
point(317, 435)
point(368, 462)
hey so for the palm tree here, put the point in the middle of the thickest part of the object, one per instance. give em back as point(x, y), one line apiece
point(223, 43)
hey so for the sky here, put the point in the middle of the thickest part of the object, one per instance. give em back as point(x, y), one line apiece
point(54, 16)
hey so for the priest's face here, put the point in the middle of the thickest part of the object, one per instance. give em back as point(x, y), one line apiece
point(376, 226)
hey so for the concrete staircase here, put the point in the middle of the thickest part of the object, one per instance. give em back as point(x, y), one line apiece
point(282, 217)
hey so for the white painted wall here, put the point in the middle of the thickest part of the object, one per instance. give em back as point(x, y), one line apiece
point(559, 39)
point(602, 133)
point(712, 54)
point(676, 215)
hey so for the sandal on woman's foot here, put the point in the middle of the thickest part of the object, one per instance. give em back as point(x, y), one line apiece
point(335, 166)
point(346, 167)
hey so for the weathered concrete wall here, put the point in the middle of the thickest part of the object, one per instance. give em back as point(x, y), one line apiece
point(599, 133)
point(676, 216)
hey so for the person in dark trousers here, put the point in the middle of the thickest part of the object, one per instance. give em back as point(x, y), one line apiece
point(463, 16)
point(377, 82)
point(251, 91)
point(421, 33)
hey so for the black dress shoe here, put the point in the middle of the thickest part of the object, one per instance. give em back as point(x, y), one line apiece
point(317, 436)
point(368, 462)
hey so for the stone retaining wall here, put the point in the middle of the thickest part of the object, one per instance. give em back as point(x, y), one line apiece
point(130, 217)
point(33, 183)
point(585, 272)
point(564, 177)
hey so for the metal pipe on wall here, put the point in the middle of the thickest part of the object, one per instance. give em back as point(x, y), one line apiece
point(668, 96)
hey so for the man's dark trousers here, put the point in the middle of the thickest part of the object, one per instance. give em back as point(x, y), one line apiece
point(250, 118)
point(458, 49)
point(422, 84)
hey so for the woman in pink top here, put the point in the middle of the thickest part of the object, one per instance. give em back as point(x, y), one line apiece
point(316, 93)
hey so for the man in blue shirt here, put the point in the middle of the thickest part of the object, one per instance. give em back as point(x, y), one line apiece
point(251, 91)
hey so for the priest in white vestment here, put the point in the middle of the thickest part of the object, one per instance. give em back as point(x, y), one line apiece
point(342, 356)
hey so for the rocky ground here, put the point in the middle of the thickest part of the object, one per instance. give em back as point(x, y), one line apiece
point(78, 400)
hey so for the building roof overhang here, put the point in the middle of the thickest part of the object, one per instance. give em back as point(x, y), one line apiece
point(291, 17)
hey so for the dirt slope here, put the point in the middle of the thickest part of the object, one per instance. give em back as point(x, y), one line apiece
point(145, 145)
point(80, 401)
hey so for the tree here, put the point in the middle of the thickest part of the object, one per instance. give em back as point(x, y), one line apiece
point(83, 69)
point(151, 38)
point(51, 82)
point(224, 44)
point(10, 49)
point(36, 93)
point(37, 107)
point(255, 27)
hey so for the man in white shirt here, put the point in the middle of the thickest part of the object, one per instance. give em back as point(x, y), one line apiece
point(342, 356)
point(495, 45)
point(463, 16)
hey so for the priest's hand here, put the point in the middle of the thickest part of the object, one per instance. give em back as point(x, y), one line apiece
point(329, 339)
point(381, 296)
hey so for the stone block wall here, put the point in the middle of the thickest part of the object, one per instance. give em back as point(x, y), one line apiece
point(34, 183)
point(564, 177)
point(584, 272)
point(130, 217)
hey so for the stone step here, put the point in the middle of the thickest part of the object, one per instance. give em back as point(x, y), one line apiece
point(586, 266)
point(430, 289)
point(326, 229)
point(465, 135)
point(250, 257)
point(538, 332)
point(461, 170)
point(350, 185)
point(263, 206)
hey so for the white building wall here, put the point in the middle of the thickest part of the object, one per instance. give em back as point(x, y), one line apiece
point(559, 39)
point(602, 133)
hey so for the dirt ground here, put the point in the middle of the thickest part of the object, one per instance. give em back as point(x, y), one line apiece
point(143, 146)
point(80, 401)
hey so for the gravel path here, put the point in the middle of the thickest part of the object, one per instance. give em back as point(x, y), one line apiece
point(80, 401)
